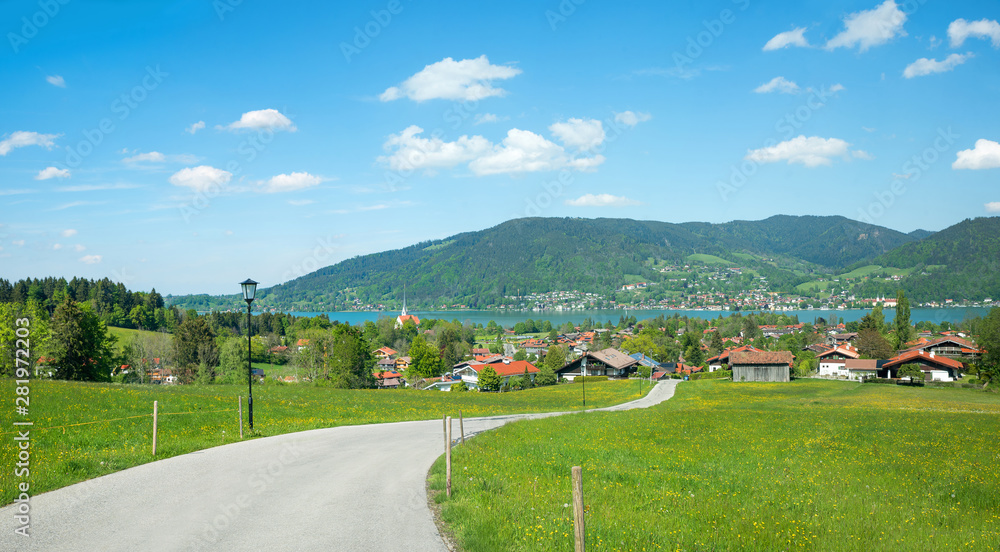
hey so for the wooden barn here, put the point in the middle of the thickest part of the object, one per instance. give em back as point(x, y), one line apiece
point(771, 366)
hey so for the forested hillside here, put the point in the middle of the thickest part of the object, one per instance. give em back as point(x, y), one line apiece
point(959, 262)
point(536, 255)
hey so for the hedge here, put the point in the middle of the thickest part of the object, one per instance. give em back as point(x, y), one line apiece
point(590, 378)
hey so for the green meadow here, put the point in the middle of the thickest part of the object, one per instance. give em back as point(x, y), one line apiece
point(807, 465)
point(85, 430)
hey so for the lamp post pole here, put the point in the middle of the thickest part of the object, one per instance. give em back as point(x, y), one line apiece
point(583, 378)
point(249, 291)
point(249, 369)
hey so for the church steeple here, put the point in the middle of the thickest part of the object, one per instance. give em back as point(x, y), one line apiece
point(404, 301)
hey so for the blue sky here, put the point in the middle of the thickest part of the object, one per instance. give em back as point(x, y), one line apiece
point(189, 145)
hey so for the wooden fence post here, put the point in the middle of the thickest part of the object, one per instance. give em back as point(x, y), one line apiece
point(578, 523)
point(448, 458)
point(154, 427)
point(444, 425)
point(461, 426)
point(239, 402)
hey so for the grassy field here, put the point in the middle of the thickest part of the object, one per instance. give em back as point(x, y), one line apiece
point(708, 259)
point(863, 271)
point(67, 445)
point(807, 465)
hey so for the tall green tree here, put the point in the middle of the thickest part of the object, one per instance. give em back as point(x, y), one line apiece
point(349, 359)
point(750, 328)
point(716, 345)
point(80, 345)
point(35, 318)
point(989, 339)
point(911, 371)
point(874, 320)
point(489, 380)
point(425, 362)
point(904, 331)
point(194, 346)
point(871, 344)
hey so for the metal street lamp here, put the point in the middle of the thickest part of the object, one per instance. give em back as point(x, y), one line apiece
point(249, 291)
point(583, 377)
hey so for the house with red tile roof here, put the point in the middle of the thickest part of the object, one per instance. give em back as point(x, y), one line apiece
point(935, 367)
point(384, 352)
point(534, 346)
point(950, 346)
point(388, 379)
point(843, 351)
point(506, 369)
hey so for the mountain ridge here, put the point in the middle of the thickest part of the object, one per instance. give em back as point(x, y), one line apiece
point(477, 269)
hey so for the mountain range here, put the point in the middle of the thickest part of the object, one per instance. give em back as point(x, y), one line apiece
point(536, 255)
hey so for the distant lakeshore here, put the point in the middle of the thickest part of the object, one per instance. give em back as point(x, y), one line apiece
point(511, 317)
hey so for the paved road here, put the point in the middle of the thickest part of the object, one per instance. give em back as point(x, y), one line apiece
point(352, 488)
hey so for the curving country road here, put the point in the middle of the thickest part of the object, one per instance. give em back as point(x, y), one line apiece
point(354, 488)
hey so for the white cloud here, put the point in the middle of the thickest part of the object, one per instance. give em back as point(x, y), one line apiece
point(22, 139)
point(411, 151)
point(91, 259)
point(468, 79)
point(993, 207)
point(837, 88)
point(961, 29)
point(152, 157)
point(57, 246)
point(986, 155)
point(861, 154)
point(56, 80)
point(811, 152)
point(79, 248)
point(68, 233)
point(579, 134)
point(780, 84)
point(291, 182)
point(630, 118)
point(483, 118)
point(601, 200)
point(201, 178)
point(262, 119)
point(925, 66)
point(19, 243)
point(195, 127)
point(52, 172)
point(300, 202)
point(874, 27)
point(156, 157)
point(520, 151)
point(788, 38)
point(525, 151)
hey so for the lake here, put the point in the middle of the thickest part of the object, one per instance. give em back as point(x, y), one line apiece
point(509, 318)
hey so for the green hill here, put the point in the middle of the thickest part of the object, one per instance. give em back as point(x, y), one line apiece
point(959, 262)
point(536, 255)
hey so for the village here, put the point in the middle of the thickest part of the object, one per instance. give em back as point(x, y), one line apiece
point(756, 353)
point(710, 287)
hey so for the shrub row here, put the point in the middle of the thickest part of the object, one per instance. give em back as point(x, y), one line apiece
point(590, 378)
point(718, 374)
